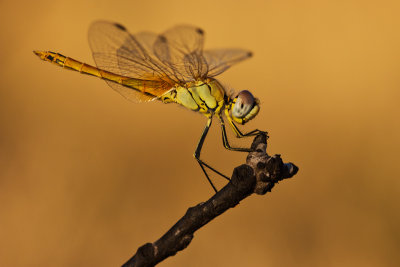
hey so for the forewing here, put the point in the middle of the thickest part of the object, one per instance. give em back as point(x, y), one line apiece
point(181, 49)
point(219, 60)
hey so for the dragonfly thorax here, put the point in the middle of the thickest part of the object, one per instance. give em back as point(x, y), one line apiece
point(207, 97)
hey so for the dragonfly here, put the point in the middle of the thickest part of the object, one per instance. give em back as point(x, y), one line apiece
point(172, 67)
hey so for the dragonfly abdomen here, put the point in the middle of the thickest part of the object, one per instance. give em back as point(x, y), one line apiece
point(147, 88)
point(72, 64)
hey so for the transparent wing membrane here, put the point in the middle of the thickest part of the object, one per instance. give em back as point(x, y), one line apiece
point(114, 49)
point(181, 48)
point(219, 60)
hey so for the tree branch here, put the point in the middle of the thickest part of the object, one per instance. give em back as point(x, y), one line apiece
point(259, 175)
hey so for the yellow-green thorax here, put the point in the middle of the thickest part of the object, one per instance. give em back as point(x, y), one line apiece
point(207, 97)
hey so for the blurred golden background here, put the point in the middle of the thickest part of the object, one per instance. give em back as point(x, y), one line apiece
point(86, 177)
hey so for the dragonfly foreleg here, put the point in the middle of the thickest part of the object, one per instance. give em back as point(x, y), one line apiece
point(198, 151)
point(239, 134)
point(225, 139)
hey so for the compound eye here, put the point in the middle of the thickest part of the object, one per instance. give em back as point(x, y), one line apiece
point(244, 103)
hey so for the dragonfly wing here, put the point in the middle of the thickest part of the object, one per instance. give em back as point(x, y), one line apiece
point(116, 50)
point(219, 60)
point(181, 49)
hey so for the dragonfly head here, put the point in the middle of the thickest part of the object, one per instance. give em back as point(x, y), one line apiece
point(243, 107)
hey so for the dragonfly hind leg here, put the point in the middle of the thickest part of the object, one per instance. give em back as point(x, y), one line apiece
point(202, 163)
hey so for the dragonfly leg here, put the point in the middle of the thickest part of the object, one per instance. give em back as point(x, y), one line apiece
point(239, 134)
point(225, 139)
point(198, 151)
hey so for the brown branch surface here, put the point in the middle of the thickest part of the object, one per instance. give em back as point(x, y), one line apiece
point(259, 175)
